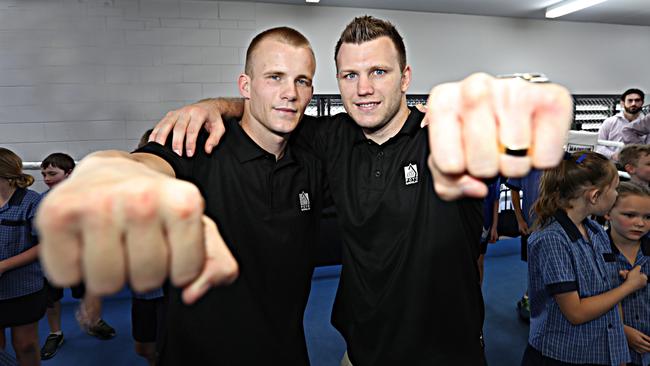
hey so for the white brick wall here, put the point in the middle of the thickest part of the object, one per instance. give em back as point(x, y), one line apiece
point(81, 75)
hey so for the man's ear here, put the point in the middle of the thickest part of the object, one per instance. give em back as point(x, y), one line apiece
point(244, 85)
point(406, 78)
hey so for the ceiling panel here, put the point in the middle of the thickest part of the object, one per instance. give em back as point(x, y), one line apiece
point(630, 12)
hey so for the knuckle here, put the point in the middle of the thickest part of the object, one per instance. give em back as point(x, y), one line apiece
point(52, 216)
point(187, 201)
point(444, 191)
point(230, 271)
point(199, 113)
point(476, 90)
point(141, 205)
point(442, 96)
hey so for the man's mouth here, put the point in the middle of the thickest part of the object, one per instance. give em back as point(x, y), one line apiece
point(367, 105)
point(285, 109)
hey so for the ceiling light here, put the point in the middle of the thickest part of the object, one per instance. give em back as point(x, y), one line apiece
point(569, 6)
point(312, 1)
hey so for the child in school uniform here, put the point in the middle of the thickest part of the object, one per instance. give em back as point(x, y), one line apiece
point(22, 294)
point(573, 297)
point(629, 221)
point(490, 221)
point(635, 159)
point(522, 207)
point(55, 168)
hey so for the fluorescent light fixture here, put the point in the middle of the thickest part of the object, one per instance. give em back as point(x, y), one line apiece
point(569, 6)
point(312, 1)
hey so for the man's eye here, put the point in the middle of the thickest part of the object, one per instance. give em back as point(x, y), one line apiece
point(350, 76)
point(303, 82)
point(379, 72)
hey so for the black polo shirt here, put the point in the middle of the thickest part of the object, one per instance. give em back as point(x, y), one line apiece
point(268, 213)
point(409, 291)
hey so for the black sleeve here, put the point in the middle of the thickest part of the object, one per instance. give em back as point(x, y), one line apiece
point(182, 166)
point(561, 287)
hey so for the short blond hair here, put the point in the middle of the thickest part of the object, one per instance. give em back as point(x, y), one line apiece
point(285, 35)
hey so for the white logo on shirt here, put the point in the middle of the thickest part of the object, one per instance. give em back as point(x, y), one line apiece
point(304, 201)
point(411, 174)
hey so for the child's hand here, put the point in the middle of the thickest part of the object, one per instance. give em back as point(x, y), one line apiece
point(635, 278)
point(523, 227)
point(637, 340)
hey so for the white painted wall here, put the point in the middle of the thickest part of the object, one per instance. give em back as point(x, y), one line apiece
point(588, 58)
point(82, 75)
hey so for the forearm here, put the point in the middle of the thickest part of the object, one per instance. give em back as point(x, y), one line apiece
point(225, 107)
point(515, 198)
point(149, 160)
point(581, 310)
point(495, 213)
point(22, 259)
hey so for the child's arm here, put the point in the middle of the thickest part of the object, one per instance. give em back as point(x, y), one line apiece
point(516, 205)
point(19, 260)
point(494, 235)
point(581, 310)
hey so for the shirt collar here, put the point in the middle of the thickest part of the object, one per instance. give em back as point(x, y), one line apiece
point(569, 227)
point(645, 245)
point(621, 115)
point(245, 149)
point(611, 242)
point(15, 200)
point(410, 127)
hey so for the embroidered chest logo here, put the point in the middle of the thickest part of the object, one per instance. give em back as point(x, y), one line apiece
point(411, 174)
point(304, 201)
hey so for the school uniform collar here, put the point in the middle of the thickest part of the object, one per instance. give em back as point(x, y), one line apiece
point(569, 227)
point(17, 197)
point(410, 127)
point(245, 149)
point(645, 245)
point(15, 200)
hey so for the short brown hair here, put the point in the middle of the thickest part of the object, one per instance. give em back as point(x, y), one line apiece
point(62, 161)
point(631, 154)
point(11, 169)
point(367, 28)
point(285, 35)
point(625, 189)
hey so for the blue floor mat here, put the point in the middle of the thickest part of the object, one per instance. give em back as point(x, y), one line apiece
point(505, 335)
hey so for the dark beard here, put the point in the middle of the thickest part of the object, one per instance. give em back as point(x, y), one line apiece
point(632, 110)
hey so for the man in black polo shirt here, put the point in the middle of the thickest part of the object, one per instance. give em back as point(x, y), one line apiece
point(264, 193)
point(409, 291)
